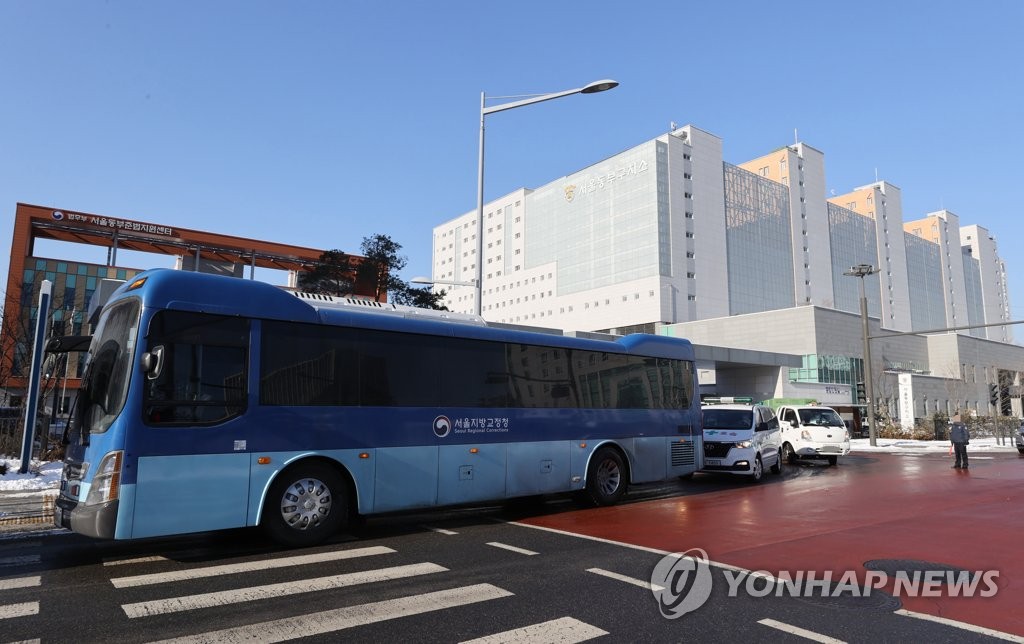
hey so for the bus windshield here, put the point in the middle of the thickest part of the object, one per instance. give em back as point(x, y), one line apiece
point(108, 368)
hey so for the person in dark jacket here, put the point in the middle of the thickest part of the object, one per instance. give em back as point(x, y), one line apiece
point(959, 436)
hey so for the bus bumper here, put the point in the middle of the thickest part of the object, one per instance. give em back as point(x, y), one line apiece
point(93, 521)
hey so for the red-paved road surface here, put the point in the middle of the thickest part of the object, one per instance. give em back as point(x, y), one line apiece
point(872, 506)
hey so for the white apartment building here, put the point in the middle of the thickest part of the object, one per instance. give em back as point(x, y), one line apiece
point(668, 232)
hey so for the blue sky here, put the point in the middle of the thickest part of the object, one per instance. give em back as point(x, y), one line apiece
point(320, 123)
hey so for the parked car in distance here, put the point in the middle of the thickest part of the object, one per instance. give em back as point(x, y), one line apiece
point(1019, 438)
point(741, 439)
point(813, 432)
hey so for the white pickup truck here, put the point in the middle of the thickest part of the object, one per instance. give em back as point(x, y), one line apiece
point(812, 432)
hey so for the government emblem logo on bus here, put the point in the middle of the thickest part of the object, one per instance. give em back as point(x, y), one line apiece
point(442, 426)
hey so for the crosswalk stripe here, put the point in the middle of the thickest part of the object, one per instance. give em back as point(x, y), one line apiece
point(564, 630)
point(339, 619)
point(440, 530)
point(121, 562)
point(19, 610)
point(505, 546)
point(629, 580)
point(800, 632)
point(223, 598)
point(230, 569)
point(19, 582)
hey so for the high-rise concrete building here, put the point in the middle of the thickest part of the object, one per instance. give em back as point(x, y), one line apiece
point(669, 233)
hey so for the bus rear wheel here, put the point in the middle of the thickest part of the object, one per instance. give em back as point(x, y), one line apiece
point(606, 477)
point(306, 504)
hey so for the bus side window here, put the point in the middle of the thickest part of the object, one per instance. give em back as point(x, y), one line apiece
point(203, 379)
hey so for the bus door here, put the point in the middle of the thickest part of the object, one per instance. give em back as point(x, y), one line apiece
point(192, 444)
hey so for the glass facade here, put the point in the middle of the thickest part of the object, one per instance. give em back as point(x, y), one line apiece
point(854, 241)
point(972, 288)
point(603, 225)
point(840, 370)
point(73, 285)
point(924, 276)
point(758, 247)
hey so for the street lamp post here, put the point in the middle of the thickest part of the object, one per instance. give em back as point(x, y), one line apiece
point(862, 271)
point(591, 88)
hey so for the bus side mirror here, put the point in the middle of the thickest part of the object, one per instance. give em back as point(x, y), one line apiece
point(153, 362)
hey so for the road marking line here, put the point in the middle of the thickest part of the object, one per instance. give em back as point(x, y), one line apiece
point(19, 582)
point(564, 630)
point(505, 546)
point(800, 632)
point(223, 598)
point(19, 610)
point(119, 562)
point(632, 546)
point(230, 569)
point(629, 580)
point(440, 530)
point(1009, 637)
point(339, 619)
point(658, 551)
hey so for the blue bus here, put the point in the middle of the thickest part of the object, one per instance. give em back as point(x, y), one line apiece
point(213, 402)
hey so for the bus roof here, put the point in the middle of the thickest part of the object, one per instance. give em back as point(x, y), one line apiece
point(217, 294)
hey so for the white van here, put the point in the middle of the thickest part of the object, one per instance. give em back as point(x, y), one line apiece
point(741, 439)
point(813, 432)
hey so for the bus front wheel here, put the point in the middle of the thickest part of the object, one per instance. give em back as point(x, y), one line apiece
point(606, 477)
point(306, 504)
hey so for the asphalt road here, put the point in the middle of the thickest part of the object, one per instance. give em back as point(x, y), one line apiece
point(542, 568)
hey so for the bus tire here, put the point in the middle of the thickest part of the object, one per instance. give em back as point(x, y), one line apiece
point(606, 477)
point(306, 504)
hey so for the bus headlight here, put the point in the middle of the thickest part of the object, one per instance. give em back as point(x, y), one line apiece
point(107, 482)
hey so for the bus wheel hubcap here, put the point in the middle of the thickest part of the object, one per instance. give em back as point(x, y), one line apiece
point(306, 504)
point(608, 477)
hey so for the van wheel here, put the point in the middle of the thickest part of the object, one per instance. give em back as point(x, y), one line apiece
point(777, 468)
point(305, 505)
point(789, 454)
point(606, 477)
point(833, 460)
point(758, 472)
